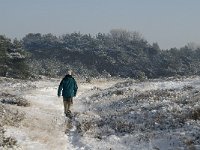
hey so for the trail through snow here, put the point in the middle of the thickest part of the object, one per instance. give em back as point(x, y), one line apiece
point(45, 124)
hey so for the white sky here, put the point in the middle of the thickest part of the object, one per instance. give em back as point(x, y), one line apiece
point(170, 23)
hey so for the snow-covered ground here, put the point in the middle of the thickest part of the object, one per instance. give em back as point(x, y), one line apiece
point(116, 114)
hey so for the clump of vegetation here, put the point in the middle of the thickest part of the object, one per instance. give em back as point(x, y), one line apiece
point(16, 101)
point(6, 98)
point(6, 142)
point(88, 80)
point(9, 117)
point(195, 114)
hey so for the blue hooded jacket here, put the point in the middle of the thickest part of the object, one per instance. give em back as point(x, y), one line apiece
point(68, 86)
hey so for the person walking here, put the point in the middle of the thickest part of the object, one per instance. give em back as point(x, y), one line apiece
point(69, 88)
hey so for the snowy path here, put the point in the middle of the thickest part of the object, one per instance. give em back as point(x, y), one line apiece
point(44, 126)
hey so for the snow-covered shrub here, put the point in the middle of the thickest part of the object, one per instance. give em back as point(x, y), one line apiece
point(8, 117)
point(6, 98)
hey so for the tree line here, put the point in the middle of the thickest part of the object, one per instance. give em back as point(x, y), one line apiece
point(118, 53)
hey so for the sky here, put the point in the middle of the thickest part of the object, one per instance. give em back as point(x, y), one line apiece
point(170, 23)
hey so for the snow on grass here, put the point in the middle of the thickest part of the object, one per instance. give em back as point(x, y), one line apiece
point(110, 114)
point(155, 111)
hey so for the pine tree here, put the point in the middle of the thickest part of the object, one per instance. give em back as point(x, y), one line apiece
point(12, 59)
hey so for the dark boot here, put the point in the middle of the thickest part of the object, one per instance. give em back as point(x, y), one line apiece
point(69, 114)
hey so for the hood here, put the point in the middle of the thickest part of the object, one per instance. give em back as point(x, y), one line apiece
point(68, 76)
